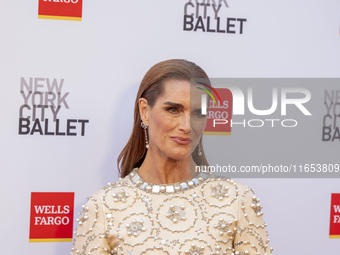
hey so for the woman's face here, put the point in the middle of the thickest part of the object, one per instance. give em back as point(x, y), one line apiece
point(175, 122)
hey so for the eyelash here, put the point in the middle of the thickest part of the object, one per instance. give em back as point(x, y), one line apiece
point(169, 109)
point(199, 115)
point(172, 108)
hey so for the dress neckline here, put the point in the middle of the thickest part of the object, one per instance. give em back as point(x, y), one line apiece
point(165, 188)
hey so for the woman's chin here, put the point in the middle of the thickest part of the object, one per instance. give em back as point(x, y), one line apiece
point(180, 155)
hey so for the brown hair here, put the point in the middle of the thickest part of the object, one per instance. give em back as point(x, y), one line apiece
point(151, 87)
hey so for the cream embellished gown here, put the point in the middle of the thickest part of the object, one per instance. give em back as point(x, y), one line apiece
point(205, 215)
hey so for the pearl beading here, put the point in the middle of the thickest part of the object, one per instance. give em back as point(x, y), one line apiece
point(255, 211)
point(176, 230)
point(226, 229)
point(220, 199)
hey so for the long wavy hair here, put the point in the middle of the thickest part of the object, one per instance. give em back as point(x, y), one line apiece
point(151, 87)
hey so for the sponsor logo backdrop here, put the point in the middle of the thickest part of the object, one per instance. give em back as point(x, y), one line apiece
point(91, 66)
point(51, 216)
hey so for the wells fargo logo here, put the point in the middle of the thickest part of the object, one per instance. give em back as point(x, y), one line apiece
point(334, 229)
point(60, 9)
point(220, 111)
point(51, 216)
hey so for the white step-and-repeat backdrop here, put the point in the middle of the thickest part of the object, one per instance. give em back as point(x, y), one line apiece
point(69, 76)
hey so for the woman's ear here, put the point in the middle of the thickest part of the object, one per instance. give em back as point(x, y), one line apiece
point(144, 110)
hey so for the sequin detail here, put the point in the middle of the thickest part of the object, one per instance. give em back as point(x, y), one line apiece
point(204, 215)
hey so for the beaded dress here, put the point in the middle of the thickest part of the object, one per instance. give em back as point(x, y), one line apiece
point(205, 215)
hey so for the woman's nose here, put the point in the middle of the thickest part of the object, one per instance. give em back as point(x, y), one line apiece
point(184, 124)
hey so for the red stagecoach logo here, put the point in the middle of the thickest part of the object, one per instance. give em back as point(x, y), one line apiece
point(334, 229)
point(51, 216)
point(60, 9)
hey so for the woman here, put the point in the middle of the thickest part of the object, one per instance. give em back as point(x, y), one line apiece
point(160, 205)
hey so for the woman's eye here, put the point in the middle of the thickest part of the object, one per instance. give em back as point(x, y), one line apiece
point(172, 110)
point(198, 114)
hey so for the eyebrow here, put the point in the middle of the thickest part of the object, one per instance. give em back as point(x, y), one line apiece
point(174, 104)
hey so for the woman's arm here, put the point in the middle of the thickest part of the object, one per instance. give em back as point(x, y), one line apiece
point(251, 237)
point(90, 236)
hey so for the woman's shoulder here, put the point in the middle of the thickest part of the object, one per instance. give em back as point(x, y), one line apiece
point(120, 190)
point(226, 181)
point(219, 184)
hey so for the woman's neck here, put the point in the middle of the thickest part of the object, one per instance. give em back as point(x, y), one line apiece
point(161, 170)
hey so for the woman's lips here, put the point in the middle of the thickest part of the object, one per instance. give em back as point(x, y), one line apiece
point(180, 140)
